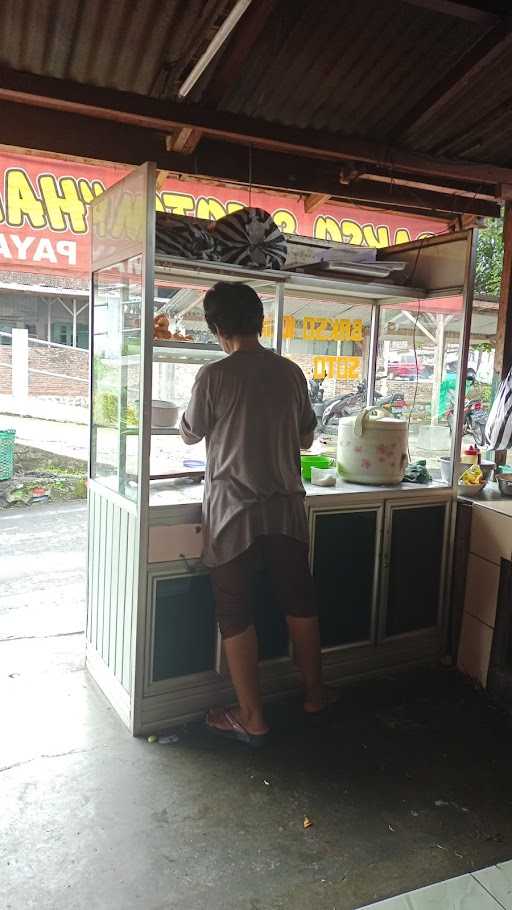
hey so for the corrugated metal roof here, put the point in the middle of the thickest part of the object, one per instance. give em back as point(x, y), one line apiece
point(352, 68)
point(345, 67)
point(144, 46)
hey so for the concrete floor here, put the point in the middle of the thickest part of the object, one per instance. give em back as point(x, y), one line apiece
point(407, 784)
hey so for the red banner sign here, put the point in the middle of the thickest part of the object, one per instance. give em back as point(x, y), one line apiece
point(44, 213)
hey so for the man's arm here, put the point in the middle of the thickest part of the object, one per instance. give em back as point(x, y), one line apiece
point(197, 421)
point(306, 441)
point(307, 421)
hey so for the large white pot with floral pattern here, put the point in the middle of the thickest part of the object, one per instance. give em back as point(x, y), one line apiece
point(372, 448)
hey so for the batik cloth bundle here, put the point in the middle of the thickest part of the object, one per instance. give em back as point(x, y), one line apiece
point(248, 237)
point(185, 239)
point(251, 238)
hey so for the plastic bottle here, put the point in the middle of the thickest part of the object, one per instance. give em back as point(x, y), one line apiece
point(471, 455)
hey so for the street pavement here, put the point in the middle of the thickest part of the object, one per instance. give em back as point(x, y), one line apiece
point(42, 574)
point(69, 439)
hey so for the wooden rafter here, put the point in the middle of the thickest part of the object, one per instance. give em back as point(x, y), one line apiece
point(314, 201)
point(164, 116)
point(71, 135)
point(184, 140)
point(161, 177)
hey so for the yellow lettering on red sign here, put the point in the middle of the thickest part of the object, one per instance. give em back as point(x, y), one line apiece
point(314, 329)
point(286, 221)
point(21, 200)
point(288, 327)
point(329, 366)
point(177, 203)
point(64, 204)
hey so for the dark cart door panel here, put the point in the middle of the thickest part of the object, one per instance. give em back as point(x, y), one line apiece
point(345, 569)
point(184, 629)
point(413, 567)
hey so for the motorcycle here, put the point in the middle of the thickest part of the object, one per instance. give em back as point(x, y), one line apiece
point(355, 401)
point(475, 419)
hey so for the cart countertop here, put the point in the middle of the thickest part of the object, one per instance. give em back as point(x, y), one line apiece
point(179, 501)
point(490, 498)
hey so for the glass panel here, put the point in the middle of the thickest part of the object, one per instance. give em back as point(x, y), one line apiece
point(177, 362)
point(329, 338)
point(185, 628)
point(116, 371)
point(409, 562)
point(181, 302)
point(479, 391)
point(119, 219)
point(417, 361)
point(344, 582)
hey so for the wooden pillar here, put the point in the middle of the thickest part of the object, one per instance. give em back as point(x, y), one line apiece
point(503, 354)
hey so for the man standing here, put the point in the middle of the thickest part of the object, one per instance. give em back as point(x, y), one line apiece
point(253, 409)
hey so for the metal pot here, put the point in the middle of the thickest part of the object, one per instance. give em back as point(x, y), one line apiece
point(164, 413)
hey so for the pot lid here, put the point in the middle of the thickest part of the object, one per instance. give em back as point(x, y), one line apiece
point(383, 423)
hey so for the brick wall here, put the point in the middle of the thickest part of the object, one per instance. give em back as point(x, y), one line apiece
point(5, 370)
point(71, 363)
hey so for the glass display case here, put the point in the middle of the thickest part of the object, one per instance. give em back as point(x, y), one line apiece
point(359, 338)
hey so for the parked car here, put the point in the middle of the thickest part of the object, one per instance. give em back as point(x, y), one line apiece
point(407, 366)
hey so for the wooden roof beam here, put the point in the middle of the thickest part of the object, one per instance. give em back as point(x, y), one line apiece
point(165, 116)
point(314, 201)
point(72, 135)
point(366, 191)
point(184, 140)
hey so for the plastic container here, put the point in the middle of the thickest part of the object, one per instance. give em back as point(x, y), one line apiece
point(314, 461)
point(323, 477)
point(164, 413)
point(504, 482)
point(372, 448)
point(7, 440)
point(487, 468)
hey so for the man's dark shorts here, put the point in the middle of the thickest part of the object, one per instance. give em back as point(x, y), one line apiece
point(285, 561)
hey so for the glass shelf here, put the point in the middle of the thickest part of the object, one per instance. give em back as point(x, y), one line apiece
point(186, 352)
point(155, 431)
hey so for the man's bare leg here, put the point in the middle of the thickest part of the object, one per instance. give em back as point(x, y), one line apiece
point(305, 635)
point(242, 656)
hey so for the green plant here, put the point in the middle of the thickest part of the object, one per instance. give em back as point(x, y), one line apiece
point(489, 258)
point(106, 407)
point(80, 488)
point(131, 416)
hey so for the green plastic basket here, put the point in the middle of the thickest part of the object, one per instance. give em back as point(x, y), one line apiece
point(7, 438)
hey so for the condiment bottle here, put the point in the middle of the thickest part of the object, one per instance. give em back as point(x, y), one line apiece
point(471, 455)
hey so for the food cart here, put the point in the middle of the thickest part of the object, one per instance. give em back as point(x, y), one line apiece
point(380, 555)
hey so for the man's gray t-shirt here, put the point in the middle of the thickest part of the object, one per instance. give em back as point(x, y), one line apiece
point(253, 409)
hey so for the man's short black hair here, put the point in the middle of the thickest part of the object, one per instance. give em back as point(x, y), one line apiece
point(232, 308)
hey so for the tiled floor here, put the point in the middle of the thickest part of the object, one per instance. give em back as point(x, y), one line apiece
point(489, 889)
